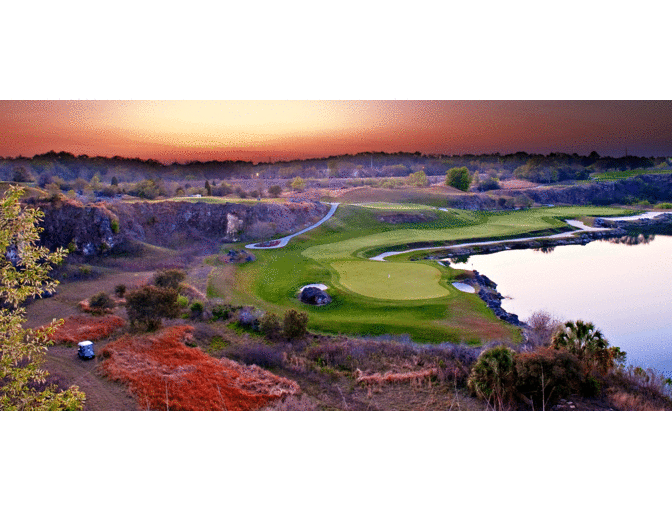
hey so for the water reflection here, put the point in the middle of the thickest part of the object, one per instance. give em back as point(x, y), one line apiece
point(623, 287)
point(633, 240)
point(545, 249)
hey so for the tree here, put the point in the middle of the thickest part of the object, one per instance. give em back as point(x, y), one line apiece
point(148, 304)
point(22, 174)
point(458, 177)
point(587, 342)
point(24, 272)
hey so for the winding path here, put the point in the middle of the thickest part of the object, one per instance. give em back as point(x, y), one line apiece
point(573, 223)
point(284, 240)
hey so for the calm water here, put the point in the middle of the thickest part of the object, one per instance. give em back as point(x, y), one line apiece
point(624, 290)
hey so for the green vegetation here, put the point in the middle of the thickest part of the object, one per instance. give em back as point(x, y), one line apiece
point(417, 298)
point(458, 177)
point(418, 179)
point(393, 280)
point(624, 174)
point(24, 382)
point(148, 304)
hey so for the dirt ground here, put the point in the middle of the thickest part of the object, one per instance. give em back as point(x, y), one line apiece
point(101, 394)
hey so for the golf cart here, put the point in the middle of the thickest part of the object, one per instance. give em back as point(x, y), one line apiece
point(86, 350)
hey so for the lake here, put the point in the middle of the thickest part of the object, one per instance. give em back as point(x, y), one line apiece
point(624, 290)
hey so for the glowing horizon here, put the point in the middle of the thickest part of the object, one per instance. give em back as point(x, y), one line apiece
point(282, 130)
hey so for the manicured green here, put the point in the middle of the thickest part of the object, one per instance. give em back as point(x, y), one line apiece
point(392, 280)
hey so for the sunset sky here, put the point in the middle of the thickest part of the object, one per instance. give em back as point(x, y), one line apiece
point(281, 130)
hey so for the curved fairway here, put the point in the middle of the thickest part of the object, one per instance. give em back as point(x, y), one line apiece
point(391, 280)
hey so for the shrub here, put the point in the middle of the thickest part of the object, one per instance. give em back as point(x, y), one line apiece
point(274, 191)
point(294, 324)
point(115, 226)
point(169, 278)
point(263, 356)
point(492, 377)
point(298, 184)
point(220, 312)
point(418, 179)
point(542, 326)
point(196, 310)
point(149, 304)
point(101, 303)
point(182, 301)
point(458, 177)
point(546, 375)
point(249, 318)
point(120, 290)
point(270, 326)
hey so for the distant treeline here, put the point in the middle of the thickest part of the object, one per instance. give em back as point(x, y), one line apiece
point(535, 167)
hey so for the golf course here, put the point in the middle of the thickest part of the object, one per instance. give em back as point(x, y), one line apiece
point(398, 296)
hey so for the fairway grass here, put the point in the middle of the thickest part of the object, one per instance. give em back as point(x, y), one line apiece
point(416, 299)
point(395, 280)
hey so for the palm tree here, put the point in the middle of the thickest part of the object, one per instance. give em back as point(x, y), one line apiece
point(587, 342)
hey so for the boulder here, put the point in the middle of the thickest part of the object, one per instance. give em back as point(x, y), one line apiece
point(315, 296)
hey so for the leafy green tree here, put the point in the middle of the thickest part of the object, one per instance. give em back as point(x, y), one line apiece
point(458, 177)
point(24, 272)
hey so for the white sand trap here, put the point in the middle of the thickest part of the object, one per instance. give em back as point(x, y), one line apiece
point(464, 287)
point(320, 286)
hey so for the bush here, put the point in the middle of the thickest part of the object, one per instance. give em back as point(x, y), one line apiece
point(274, 191)
point(182, 301)
point(546, 375)
point(261, 355)
point(249, 318)
point(492, 377)
point(458, 177)
point(270, 326)
point(149, 304)
point(294, 324)
point(101, 302)
point(169, 278)
point(120, 290)
point(418, 179)
point(196, 310)
point(298, 184)
point(220, 312)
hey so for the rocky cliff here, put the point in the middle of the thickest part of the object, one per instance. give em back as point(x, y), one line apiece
point(650, 187)
point(97, 228)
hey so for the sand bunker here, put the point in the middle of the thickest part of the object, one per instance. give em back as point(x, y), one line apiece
point(320, 286)
point(464, 287)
